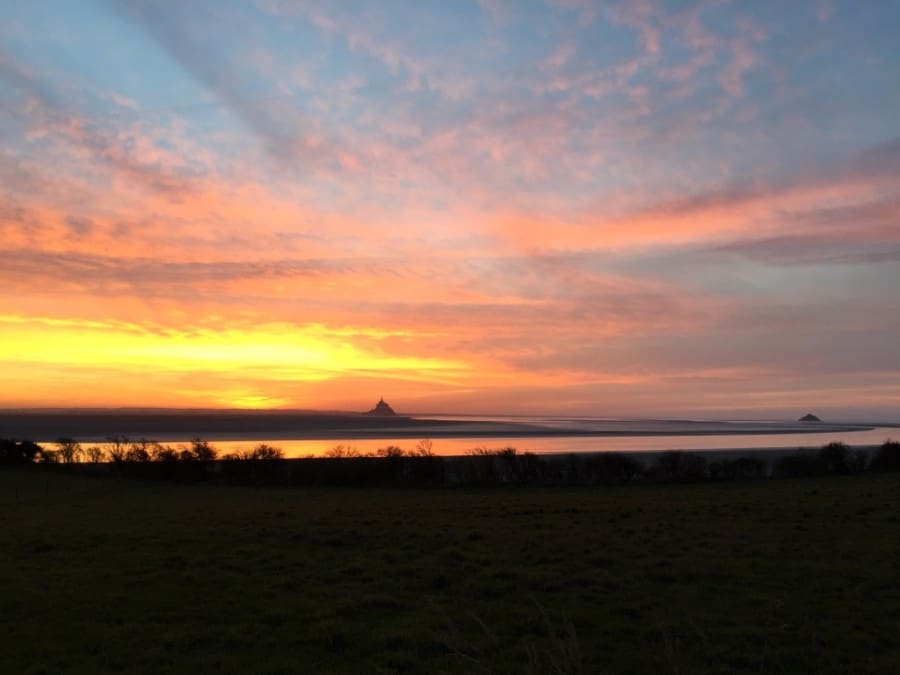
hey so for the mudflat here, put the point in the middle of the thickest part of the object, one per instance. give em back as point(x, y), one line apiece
point(161, 425)
point(97, 425)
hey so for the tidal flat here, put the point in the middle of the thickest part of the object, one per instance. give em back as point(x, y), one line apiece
point(110, 575)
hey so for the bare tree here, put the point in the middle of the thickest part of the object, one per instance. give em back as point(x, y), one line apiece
point(260, 452)
point(342, 451)
point(390, 451)
point(69, 450)
point(424, 448)
point(94, 454)
point(263, 451)
point(138, 451)
point(118, 448)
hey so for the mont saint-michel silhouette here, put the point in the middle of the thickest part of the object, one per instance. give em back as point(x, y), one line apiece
point(382, 409)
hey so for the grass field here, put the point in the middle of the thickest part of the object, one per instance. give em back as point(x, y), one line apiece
point(106, 575)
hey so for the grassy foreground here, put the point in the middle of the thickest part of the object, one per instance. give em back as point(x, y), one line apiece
point(106, 575)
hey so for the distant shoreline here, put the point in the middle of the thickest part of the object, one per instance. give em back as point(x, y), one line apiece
point(275, 425)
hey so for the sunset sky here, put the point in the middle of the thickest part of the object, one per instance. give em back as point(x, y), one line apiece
point(608, 208)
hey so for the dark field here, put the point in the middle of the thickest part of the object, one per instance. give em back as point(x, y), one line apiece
point(106, 575)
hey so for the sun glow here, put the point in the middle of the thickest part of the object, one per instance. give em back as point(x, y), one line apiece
point(250, 401)
point(275, 353)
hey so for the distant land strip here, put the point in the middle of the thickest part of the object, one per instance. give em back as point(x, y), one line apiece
point(241, 425)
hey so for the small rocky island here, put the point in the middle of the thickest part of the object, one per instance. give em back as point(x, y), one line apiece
point(809, 417)
point(382, 409)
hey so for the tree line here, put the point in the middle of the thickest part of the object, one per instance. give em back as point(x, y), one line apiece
point(392, 465)
point(122, 449)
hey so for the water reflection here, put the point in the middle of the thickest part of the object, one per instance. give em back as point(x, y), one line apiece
point(558, 444)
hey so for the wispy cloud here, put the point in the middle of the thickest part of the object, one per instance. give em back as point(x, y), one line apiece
point(42, 111)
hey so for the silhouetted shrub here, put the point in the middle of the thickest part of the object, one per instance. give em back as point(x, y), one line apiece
point(858, 461)
point(163, 453)
point(238, 456)
point(118, 448)
point(138, 451)
point(336, 470)
point(152, 460)
point(799, 465)
point(488, 466)
point(263, 464)
point(674, 465)
point(741, 468)
point(887, 457)
point(48, 456)
point(484, 451)
point(531, 468)
point(390, 451)
point(342, 451)
point(606, 467)
point(427, 469)
point(18, 452)
point(261, 452)
point(835, 458)
point(509, 465)
point(391, 465)
point(200, 451)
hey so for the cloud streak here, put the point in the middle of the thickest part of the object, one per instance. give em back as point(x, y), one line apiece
point(43, 112)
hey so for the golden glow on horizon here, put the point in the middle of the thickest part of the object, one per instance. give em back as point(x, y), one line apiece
point(52, 362)
point(276, 351)
point(251, 401)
